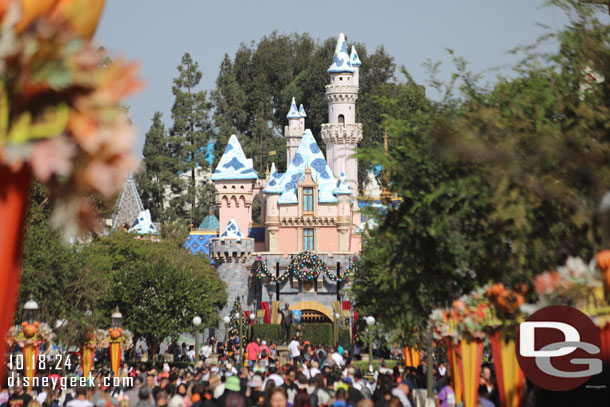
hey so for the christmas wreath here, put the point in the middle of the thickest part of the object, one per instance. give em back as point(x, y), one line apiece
point(307, 266)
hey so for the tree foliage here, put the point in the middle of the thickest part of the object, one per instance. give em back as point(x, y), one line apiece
point(158, 286)
point(498, 183)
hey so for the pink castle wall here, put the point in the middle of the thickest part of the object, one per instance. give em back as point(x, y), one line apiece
point(237, 210)
point(287, 240)
point(328, 240)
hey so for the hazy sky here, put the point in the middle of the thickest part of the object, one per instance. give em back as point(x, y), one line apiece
point(158, 32)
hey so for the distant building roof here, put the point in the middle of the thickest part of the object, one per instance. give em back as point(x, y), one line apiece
point(209, 223)
point(129, 205)
point(293, 113)
point(233, 164)
point(143, 225)
point(308, 154)
point(341, 60)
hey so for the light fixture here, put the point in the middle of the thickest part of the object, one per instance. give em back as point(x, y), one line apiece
point(370, 320)
point(226, 320)
point(30, 310)
point(117, 318)
point(197, 321)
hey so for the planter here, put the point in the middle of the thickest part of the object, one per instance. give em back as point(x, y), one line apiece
point(508, 373)
point(14, 189)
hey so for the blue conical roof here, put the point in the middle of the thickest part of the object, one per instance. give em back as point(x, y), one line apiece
point(231, 231)
point(143, 224)
point(233, 164)
point(353, 58)
point(302, 111)
point(293, 113)
point(342, 185)
point(341, 61)
point(308, 154)
point(210, 223)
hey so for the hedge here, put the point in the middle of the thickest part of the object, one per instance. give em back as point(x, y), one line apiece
point(363, 365)
point(315, 333)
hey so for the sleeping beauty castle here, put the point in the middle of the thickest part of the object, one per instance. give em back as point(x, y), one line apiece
point(311, 233)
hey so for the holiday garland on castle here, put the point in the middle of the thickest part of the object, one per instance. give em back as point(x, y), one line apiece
point(306, 266)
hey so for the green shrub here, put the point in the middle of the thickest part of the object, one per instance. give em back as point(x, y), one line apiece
point(364, 365)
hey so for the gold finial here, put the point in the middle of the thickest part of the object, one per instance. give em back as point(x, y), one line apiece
point(267, 172)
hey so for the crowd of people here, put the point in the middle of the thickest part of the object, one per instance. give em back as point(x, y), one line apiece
point(314, 376)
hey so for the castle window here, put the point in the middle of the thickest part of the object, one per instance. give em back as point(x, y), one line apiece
point(308, 239)
point(341, 119)
point(307, 199)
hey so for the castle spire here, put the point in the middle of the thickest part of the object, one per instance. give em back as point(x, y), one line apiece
point(302, 111)
point(341, 60)
point(293, 113)
point(353, 57)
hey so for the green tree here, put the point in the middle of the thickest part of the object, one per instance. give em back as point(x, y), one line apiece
point(157, 172)
point(157, 285)
point(498, 183)
point(52, 275)
point(253, 93)
point(189, 136)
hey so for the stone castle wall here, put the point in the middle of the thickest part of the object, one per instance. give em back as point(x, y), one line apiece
point(239, 276)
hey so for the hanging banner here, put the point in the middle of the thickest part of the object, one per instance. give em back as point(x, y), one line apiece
point(30, 356)
point(115, 357)
point(470, 356)
point(508, 373)
point(412, 356)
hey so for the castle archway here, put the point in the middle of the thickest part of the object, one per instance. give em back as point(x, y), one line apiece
point(313, 312)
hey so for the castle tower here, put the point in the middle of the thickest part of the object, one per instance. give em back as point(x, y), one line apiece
point(234, 180)
point(342, 134)
point(294, 130)
point(344, 217)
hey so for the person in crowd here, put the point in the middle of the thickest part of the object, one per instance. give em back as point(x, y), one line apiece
point(253, 349)
point(263, 355)
point(232, 396)
point(21, 399)
point(80, 400)
point(402, 391)
point(487, 385)
point(290, 386)
point(278, 398)
point(295, 350)
point(445, 396)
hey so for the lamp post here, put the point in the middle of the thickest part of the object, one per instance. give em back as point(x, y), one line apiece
point(116, 322)
point(197, 322)
point(30, 330)
point(253, 319)
point(335, 328)
point(239, 317)
point(30, 310)
point(227, 321)
point(370, 321)
point(117, 319)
